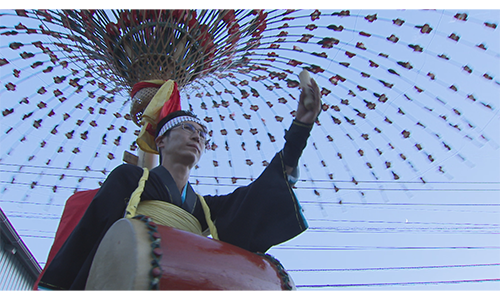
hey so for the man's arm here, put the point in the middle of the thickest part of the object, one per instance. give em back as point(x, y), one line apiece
point(296, 137)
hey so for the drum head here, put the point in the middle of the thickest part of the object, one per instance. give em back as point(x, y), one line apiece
point(122, 261)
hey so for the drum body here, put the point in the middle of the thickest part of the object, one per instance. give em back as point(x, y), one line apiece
point(140, 255)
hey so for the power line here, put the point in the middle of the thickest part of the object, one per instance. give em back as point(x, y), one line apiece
point(404, 207)
point(50, 167)
point(364, 248)
point(37, 236)
point(309, 202)
point(45, 174)
point(400, 283)
point(44, 185)
point(401, 222)
point(398, 204)
point(32, 203)
point(311, 188)
point(34, 217)
point(434, 230)
point(394, 268)
point(401, 189)
point(250, 179)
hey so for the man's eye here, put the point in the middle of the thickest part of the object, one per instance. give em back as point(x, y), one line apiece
point(190, 127)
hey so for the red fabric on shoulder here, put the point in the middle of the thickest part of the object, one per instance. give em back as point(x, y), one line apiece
point(75, 207)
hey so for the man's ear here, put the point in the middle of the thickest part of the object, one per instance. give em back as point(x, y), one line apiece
point(160, 142)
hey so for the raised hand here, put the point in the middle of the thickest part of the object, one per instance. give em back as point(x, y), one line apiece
point(309, 103)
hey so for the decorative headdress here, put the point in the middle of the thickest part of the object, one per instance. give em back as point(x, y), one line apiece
point(165, 100)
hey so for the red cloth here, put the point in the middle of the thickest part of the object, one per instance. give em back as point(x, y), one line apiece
point(140, 85)
point(173, 104)
point(75, 207)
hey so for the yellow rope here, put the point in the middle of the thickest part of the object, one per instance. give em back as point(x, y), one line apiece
point(167, 214)
point(135, 198)
point(211, 225)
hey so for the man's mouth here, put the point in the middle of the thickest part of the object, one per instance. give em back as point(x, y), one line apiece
point(194, 146)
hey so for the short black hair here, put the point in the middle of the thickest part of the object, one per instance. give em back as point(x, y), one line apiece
point(172, 115)
point(169, 117)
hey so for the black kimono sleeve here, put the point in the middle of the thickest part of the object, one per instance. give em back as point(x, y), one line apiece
point(266, 212)
point(70, 267)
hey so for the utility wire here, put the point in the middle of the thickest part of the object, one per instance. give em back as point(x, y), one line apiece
point(399, 204)
point(310, 188)
point(419, 230)
point(394, 268)
point(399, 283)
point(249, 179)
point(49, 167)
point(45, 174)
point(401, 222)
point(364, 248)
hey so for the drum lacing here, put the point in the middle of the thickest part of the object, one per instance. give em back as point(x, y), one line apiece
point(283, 274)
point(156, 252)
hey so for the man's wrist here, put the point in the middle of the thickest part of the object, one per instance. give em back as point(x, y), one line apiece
point(305, 120)
point(302, 124)
point(296, 140)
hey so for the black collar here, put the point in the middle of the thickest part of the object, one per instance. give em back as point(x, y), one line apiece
point(174, 193)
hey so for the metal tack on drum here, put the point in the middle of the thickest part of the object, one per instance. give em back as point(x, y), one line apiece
point(283, 274)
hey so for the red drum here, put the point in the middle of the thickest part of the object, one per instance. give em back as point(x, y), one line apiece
point(136, 254)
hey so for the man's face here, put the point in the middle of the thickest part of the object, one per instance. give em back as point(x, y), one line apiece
point(184, 143)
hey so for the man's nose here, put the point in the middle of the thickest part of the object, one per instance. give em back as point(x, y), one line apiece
point(195, 136)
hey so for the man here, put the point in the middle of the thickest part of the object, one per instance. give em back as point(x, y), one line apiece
point(254, 217)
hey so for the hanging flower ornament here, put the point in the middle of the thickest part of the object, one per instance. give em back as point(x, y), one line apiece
point(145, 45)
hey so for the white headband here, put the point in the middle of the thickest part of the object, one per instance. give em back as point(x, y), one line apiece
point(176, 121)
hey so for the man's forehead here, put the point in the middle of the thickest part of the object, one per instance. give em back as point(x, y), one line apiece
point(196, 125)
point(174, 122)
